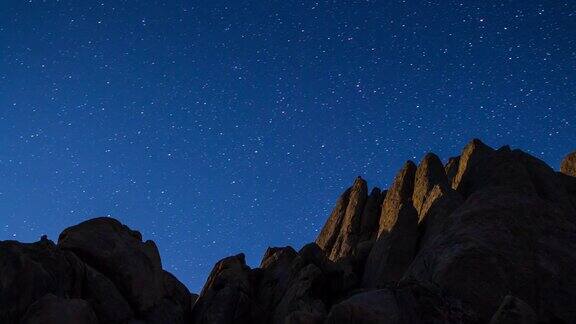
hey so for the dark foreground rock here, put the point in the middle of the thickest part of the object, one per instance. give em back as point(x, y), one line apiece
point(489, 237)
point(100, 272)
point(514, 311)
point(54, 310)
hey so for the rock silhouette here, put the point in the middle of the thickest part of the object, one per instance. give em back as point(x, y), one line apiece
point(488, 237)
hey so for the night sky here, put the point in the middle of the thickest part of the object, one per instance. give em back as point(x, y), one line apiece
point(216, 127)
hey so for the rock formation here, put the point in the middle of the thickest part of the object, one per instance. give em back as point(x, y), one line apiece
point(488, 237)
point(99, 272)
point(342, 231)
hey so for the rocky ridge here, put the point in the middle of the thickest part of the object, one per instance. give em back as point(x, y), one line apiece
point(488, 237)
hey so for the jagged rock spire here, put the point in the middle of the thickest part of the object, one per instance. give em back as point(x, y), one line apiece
point(430, 173)
point(227, 296)
point(342, 230)
point(398, 233)
point(399, 193)
point(472, 155)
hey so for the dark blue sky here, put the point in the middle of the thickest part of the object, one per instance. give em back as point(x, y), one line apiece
point(215, 127)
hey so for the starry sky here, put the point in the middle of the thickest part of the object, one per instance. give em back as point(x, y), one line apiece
point(216, 127)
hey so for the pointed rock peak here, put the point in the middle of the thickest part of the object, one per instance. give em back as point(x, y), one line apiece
point(568, 165)
point(273, 254)
point(430, 172)
point(473, 152)
point(432, 164)
point(404, 180)
point(430, 157)
point(359, 184)
point(231, 270)
point(474, 147)
point(231, 263)
point(226, 296)
point(340, 233)
point(399, 193)
point(476, 142)
point(401, 189)
point(328, 233)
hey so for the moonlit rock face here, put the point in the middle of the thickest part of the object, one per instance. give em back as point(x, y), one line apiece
point(430, 173)
point(342, 230)
point(568, 166)
point(399, 194)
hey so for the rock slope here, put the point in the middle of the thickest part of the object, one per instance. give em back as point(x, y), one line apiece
point(490, 237)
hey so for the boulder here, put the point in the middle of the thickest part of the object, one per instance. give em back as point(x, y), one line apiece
point(228, 295)
point(175, 307)
point(119, 253)
point(275, 277)
point(29, 271)
point(314, 281)
point(301, 296)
